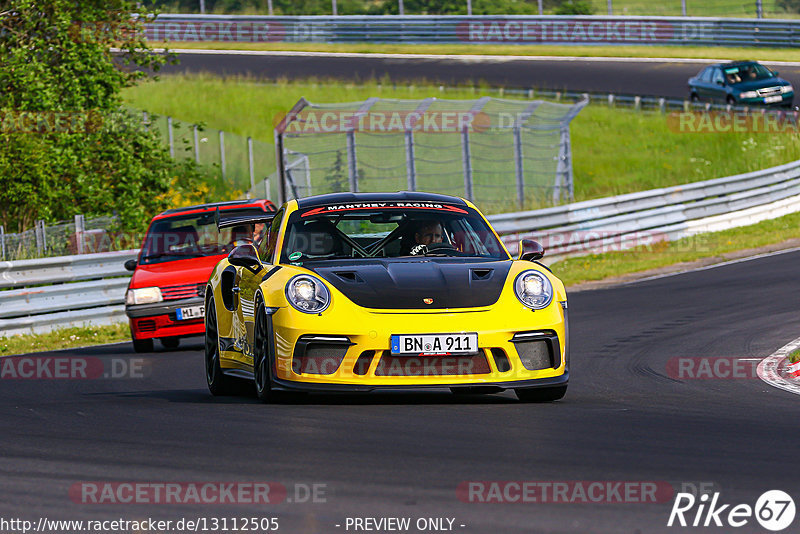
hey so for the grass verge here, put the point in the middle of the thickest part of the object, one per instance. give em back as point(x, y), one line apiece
point(794, 356)
point(615, 151)
point(710, 245)
point(64, 338)
point(674, 52)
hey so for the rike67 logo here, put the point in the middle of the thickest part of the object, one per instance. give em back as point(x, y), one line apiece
point(774, 510)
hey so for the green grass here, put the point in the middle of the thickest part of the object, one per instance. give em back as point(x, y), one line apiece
point(615, 151)
point(794, 356)
point(710, 245)
point(65, 338)
point(690, 52)
point(694, 8)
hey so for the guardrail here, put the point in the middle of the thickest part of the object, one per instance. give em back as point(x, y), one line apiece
point(666, 214)
point(92, 286)
point(486, 29)
point(64, 291)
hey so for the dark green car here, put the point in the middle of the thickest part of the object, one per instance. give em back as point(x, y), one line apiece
point(743, 83)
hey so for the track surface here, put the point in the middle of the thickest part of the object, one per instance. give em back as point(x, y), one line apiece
point(623, 419)
point(667, 79)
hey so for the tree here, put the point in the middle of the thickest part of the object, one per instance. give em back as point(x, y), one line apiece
point(67, 146)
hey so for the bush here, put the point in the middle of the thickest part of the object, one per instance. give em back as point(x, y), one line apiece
point(575, 7)
point(790, 6)
point(67, 146)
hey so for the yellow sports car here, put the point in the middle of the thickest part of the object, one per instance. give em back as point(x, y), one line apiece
point(374, 291)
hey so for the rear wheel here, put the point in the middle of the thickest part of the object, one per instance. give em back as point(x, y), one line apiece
point(730, 100)
point(218, 383)
point(170, 342)
point(262, 357)
point(541, 394)
point(694, 97)
point(142, 345)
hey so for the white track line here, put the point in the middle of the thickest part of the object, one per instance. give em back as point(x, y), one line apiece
point(455, 57)
point(768, 369)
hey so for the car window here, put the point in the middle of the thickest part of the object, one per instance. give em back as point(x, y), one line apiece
point(388, 230)
point(705, 76)
point(266, 248)
point(717, 77)
point(191, 235)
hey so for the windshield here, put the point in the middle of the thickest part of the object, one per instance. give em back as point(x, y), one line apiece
point(388, 230)
point(747, 73)
point(193, 236)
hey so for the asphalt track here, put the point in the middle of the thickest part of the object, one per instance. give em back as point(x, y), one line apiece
point(624, 419)
point(666, 78)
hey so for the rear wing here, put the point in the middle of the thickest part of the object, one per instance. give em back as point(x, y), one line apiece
point(242, 220)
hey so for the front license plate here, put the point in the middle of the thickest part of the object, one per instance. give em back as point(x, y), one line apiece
point(772, 99)
point(192, 312)
point(435, 344)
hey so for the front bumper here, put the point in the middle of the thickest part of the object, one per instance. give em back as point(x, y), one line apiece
point(361, 359)
point(160, 319)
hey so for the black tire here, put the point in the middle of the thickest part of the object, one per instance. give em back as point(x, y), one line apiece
point(694, 98)
point(142, 345)
point(541, 394)
point(262, 357)
point(170, 342)
point(730, 100)
point(218, 383)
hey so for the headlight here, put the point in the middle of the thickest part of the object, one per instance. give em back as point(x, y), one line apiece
point(787, 89)
point(533, 289)
point(145, 295)
point(748, 94)
point(307, 294)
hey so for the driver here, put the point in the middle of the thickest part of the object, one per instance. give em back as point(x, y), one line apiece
point(427, 233)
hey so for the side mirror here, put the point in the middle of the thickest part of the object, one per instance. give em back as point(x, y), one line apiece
point(130, 265)
point(245, 256)
point(775, 73)
point(721, 83)
point(530, 250)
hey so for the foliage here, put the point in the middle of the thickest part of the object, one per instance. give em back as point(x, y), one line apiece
point(575, 7)
point(67, 147)
point(791, 6)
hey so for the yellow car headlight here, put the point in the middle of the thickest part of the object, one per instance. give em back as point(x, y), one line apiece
point(533, 289)
point(307, 294)
point(144, 295)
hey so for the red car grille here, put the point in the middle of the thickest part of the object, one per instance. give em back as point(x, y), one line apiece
point(393, 365)
point(184, 291)
point(147, 325)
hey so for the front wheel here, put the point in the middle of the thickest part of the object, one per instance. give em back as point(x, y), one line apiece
point(541, 394)
point(218, 383)
point(262, 357)
point(170, 342)
point(730, 100)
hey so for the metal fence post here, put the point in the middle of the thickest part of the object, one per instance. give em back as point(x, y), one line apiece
point(518, 166)
point(759, 9)
point(662, 105)
point(41, 242)
point(171, 140)
point(411, 163)
point(266, 189)
point(250, 163)
point(3, 242)
point(222, 152)
point(541, 9)
point(196, 145)
point(610, 8)
point(80, 228)
point(145, 120)
point(352, 161)
point(683, 7)
point(637, 103)
point(467, 161)
point(280, 163)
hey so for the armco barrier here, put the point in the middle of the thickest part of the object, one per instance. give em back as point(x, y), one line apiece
point(34, 304)
point(49, 293)
point(485, 29)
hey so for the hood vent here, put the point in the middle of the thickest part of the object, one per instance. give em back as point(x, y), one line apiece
point(349, 276)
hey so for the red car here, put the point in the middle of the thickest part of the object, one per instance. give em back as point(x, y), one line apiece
point(165, 295)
